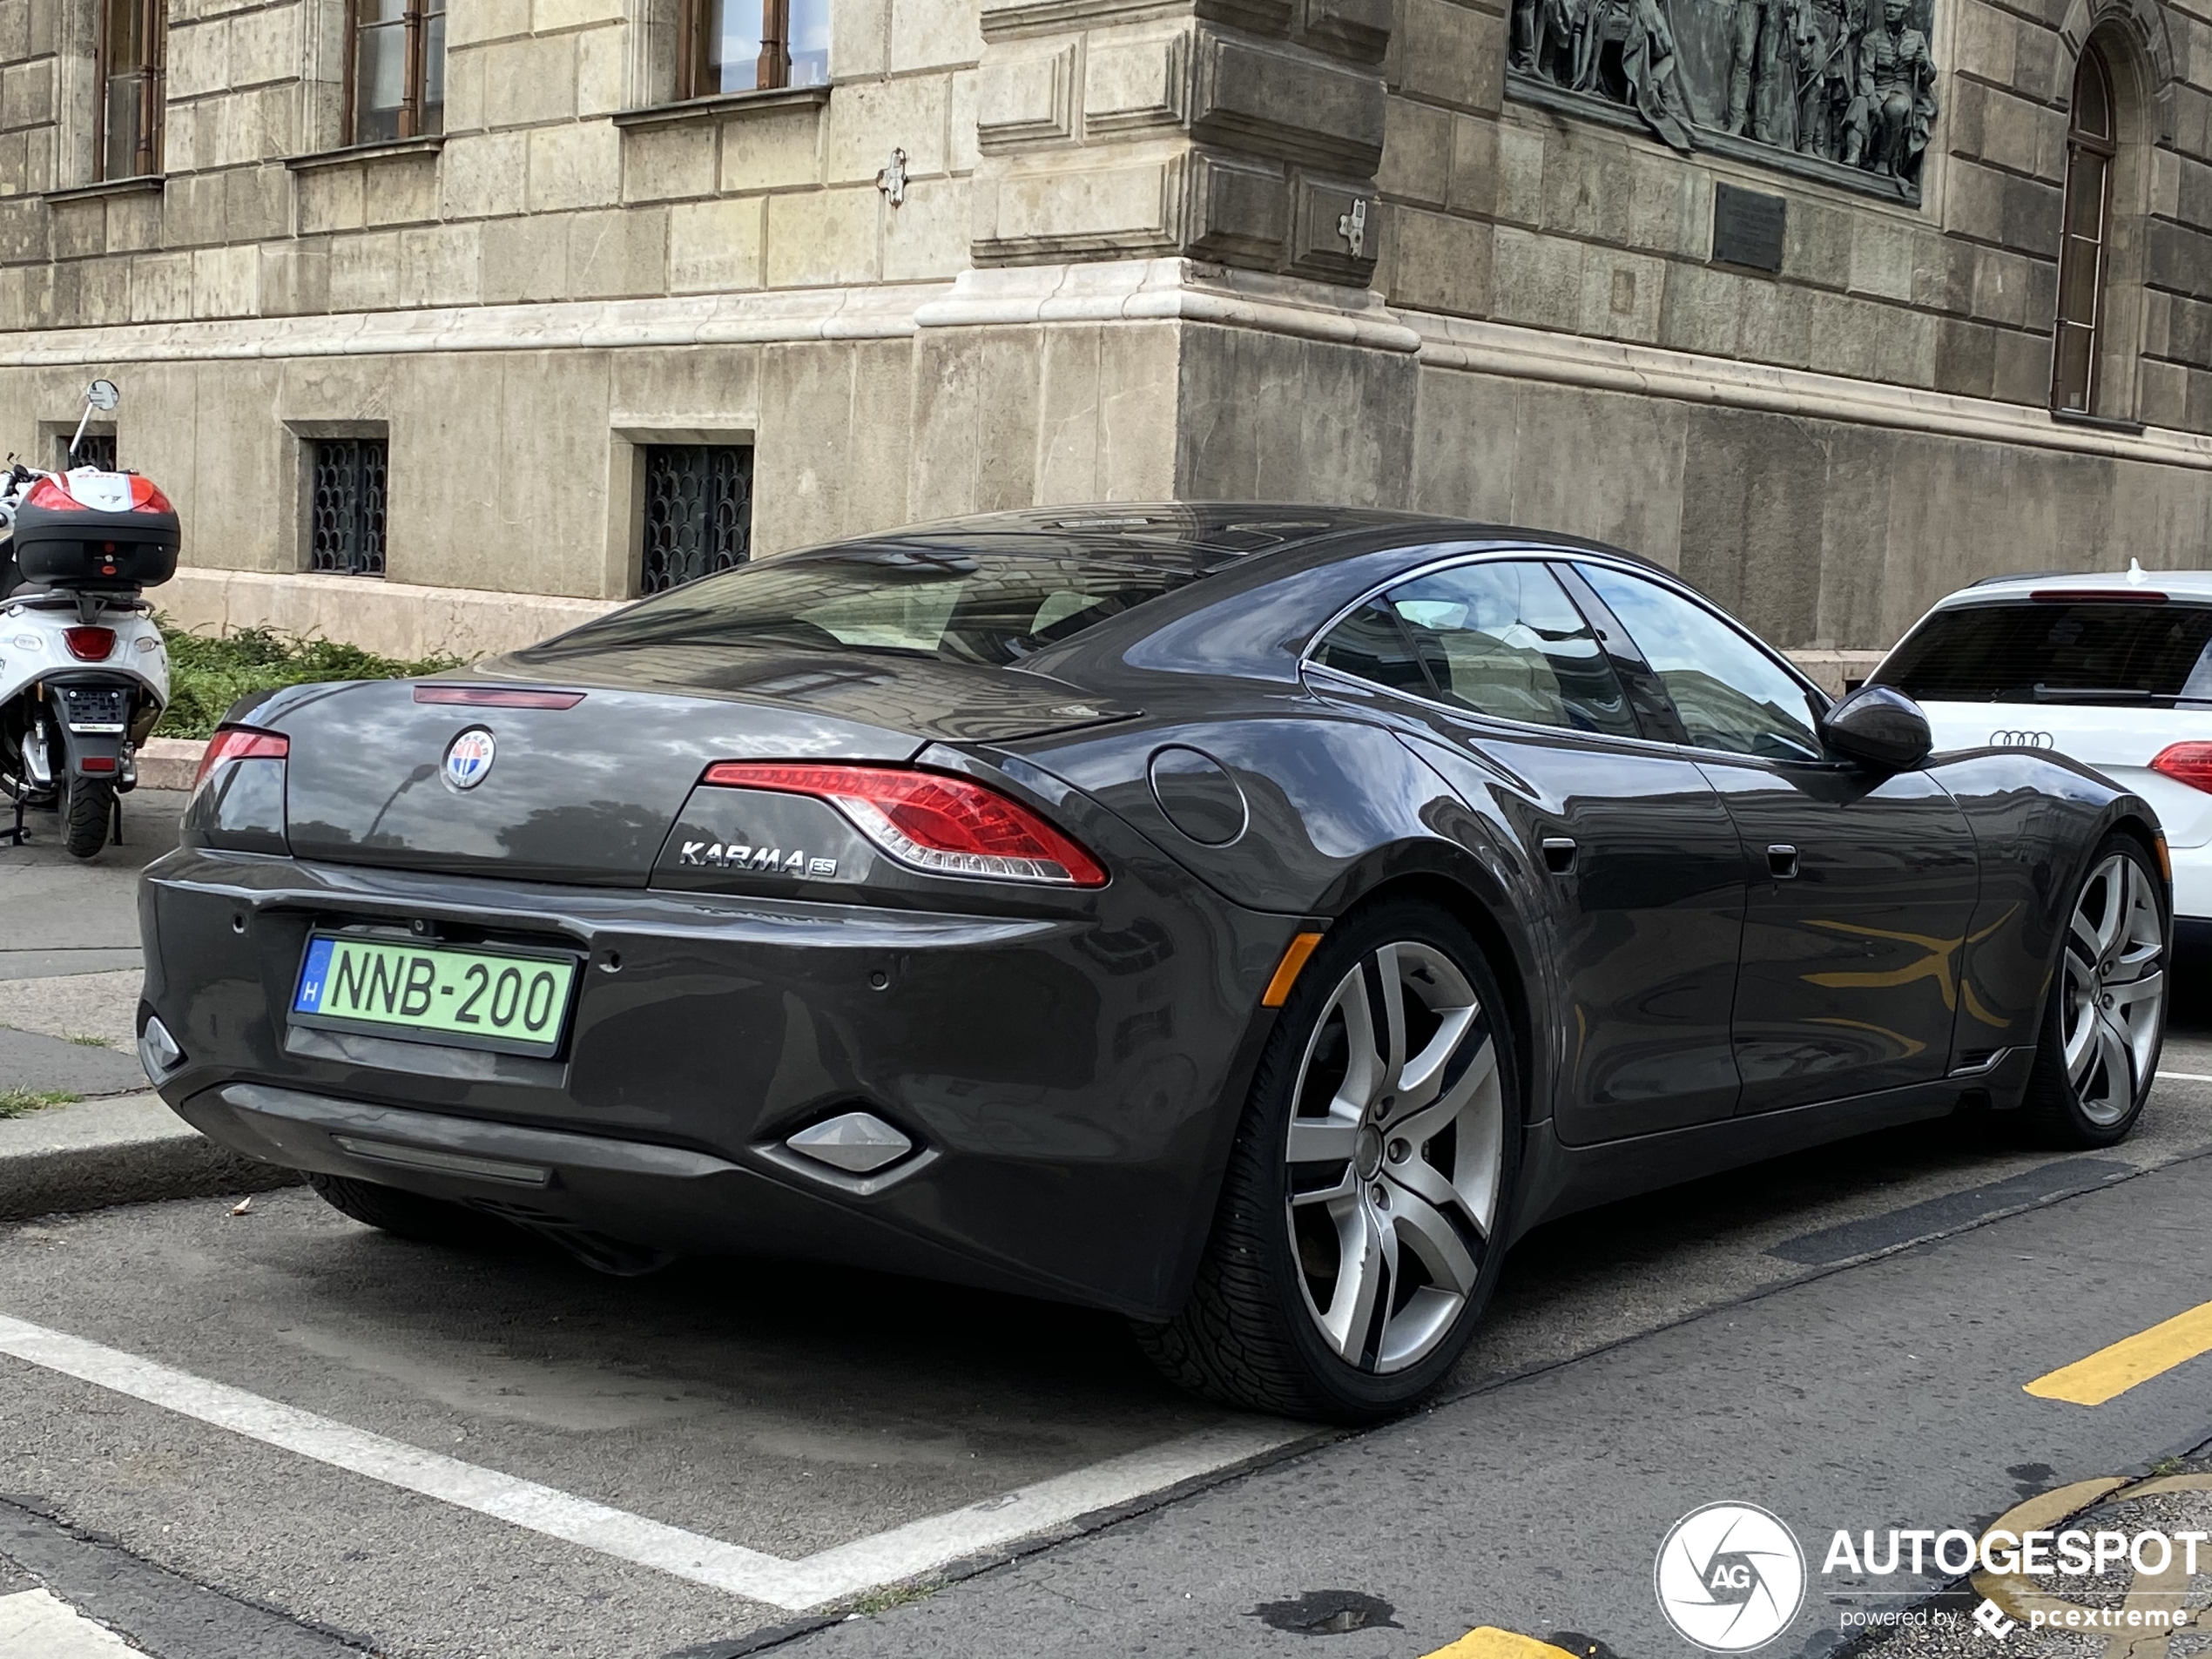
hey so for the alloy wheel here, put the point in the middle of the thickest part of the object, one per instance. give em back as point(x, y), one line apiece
point(1396, 1152)
point(2112, 1004)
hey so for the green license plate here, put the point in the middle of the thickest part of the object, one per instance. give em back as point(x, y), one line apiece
point(511, 1002)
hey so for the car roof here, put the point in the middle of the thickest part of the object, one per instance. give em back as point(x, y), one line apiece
point(2179, 584)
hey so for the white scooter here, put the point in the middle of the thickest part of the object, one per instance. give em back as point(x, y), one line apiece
point(83, 672)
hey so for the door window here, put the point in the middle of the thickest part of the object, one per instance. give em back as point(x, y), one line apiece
point(1730, 694)
point(1499, 638)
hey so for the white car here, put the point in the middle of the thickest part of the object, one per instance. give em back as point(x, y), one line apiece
point(2113, 671)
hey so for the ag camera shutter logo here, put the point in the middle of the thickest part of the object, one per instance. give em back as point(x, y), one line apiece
point(1730, 1577)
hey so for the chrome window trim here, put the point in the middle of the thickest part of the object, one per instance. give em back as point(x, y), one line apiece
point(1494, 554)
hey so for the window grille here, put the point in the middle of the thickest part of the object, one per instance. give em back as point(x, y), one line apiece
point(699, 512)
point(345, 534)
point(93, 449)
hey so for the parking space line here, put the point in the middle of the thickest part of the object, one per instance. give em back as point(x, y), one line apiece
point(1487, 1642)
point(2112, 1371)
point(2187, 1076)
point(841, 1571)
point(37, 1624)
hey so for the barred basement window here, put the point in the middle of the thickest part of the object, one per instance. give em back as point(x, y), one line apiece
point(93, 449)
point(346, 524)
point(699, 512)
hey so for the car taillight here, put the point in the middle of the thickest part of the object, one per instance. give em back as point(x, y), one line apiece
point(90, 645)
point(239, 743)
point(2187, 763)
point(946, 825)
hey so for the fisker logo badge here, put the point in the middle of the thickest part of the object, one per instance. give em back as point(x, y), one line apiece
point(469, 758)
point(771, 860)
point(2020, 740)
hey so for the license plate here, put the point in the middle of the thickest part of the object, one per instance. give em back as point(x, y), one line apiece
point(511, 1001)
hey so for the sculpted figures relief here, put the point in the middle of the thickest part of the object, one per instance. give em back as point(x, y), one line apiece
point(1849, 82)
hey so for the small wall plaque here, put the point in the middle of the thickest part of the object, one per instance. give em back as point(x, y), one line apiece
point(1747, 228)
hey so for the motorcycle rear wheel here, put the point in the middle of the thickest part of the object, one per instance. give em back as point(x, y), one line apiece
point(88, 808)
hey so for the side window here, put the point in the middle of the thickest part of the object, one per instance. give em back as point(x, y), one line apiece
point(1499, 638)
point(1732, 696)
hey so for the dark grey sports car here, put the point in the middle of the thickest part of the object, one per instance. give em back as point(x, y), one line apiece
point(1249, 919)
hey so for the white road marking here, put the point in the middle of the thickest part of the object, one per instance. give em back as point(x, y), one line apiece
point(37, 1624)
point(842, 1570)
point(2188, 1076)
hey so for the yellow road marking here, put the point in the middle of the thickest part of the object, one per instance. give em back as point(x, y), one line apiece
point(2113, 1371)
point(1487, 1642)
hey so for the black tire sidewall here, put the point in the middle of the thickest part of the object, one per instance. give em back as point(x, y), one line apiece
point(87, 810)
point(1343, 1389)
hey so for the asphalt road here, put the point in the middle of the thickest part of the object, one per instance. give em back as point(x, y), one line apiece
point(277, 1433)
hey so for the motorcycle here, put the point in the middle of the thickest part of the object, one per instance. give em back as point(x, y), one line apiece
point(84, 675)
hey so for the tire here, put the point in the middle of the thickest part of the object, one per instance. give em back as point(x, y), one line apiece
point(1331, 1166)
point(88, 809)
point(2096, 1055)
point(404, 1215)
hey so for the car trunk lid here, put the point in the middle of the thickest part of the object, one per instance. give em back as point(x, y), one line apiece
point(587, 792)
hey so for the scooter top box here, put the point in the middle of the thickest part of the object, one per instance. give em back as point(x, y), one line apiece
point(97, 529)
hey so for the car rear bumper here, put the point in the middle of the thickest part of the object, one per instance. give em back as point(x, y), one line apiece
point(1071, 1083)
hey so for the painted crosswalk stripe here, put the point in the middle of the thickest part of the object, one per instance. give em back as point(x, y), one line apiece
point(2112, 1371)
point(37, 1624)
point(843, 1570)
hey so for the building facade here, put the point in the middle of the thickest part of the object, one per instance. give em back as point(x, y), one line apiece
point(446, 321)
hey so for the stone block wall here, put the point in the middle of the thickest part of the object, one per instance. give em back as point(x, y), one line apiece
point(563, 173)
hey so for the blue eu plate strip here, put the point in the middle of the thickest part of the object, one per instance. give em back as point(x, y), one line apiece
point(312, 972)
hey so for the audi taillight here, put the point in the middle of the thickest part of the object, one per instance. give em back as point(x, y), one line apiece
point(930, 821)
point(239, 743)
point(2186, 763)
point(90, 645)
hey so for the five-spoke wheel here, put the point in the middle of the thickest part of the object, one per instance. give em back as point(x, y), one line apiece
point(1394, 1146)
point(2098, 1049)
point(1362, 1217)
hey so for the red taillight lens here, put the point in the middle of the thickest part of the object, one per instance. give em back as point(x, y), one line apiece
point(945, 825)
point(90, 645)
point(51, 495)
point(2187, 763)
point(240, 743)
point(146, 497)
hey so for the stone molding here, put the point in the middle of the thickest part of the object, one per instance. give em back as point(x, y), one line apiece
point(1166, 289)
point(408, 620)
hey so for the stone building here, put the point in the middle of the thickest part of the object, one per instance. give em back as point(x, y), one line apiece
point(447, 321)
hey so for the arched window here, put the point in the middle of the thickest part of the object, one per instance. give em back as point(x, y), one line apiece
point(2090, 144)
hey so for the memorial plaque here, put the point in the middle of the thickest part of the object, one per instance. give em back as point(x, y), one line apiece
point(1748, 228)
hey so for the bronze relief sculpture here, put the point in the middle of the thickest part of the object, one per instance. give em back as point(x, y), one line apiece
point(1847, 83)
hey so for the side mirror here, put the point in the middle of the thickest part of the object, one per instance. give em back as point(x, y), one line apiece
point(102, 395)
point(1880, 729)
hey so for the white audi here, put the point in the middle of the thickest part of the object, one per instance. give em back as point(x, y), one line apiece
point(2115, 672)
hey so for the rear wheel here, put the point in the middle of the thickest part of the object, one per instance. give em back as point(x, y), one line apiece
point(1361, 1228)
point(88, 808)
point(2097, 1056)
point(407, 1215)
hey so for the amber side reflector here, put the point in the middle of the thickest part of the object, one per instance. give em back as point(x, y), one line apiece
point(1286, 971)
point(2165, 859)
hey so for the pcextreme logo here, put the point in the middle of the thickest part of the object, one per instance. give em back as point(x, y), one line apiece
point(1730, 1577)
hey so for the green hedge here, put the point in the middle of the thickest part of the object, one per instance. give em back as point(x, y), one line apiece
point(208, 673)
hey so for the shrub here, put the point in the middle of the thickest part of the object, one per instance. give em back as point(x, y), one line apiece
point(208, 673)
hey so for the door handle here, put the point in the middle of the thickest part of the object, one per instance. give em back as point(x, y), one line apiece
point(1558, 854)
point(1782, 861)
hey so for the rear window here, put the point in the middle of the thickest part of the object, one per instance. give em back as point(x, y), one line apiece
point(994, 606)
point(2104, 651)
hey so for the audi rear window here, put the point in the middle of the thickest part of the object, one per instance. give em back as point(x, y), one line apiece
point(2052, 651)
point(993, 605)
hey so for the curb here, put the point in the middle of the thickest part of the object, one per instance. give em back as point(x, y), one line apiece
point(170, 762)
point(128, 1150)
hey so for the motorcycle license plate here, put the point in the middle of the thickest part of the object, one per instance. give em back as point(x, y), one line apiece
point(511, 1001)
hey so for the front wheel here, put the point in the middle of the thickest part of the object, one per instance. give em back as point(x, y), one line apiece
point(88, 808)
point(1361, 1225)
point(2097, 1055)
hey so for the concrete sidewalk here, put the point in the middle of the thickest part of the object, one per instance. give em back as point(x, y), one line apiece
point(69, 980)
